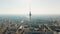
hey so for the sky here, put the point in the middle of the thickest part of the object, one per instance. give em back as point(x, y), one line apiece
point(22, 6)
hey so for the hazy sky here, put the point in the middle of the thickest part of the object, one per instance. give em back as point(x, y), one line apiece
point(22, 6)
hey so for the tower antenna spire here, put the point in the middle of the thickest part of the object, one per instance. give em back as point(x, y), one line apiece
point(30, 8)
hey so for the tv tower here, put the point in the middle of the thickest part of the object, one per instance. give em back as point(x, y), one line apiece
point(30, 15)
